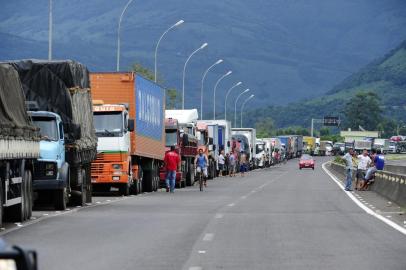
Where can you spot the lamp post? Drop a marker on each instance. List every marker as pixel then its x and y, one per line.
pixel 184 72
pixel 201 90
pixel 214 95
pixel 159 41
pixel 118 34
pixel 235 106
pixel 225 100
pixel 242 107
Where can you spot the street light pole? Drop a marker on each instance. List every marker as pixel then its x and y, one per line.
pixel 50 32
pixel 201 90
pixel 225 100
pixel 214 95
pixel 184 72
pixel 242 107
pixel 118 34
pixel 159 41
pixel 235 106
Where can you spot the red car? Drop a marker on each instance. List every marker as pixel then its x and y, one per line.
pixel 306 161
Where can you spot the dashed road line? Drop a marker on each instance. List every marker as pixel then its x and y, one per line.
pixel 195 268
pixel 202 251
pixel 219 215
pixel 231 204
pixel 208 237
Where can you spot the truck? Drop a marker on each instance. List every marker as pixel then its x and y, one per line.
pixel 287 141
pixel 60 93
pixel 185 145
pixel 382 145
pixel 360 145
pixel 397 146
pixel 186 124
pixel 224 134
pixel 309 144
pixel 214 146
pixel 138 164
pixel 19 149
pixel 260 156
pixel 113 166
pixel 250 134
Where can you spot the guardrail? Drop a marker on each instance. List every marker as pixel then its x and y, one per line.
pixel 387 184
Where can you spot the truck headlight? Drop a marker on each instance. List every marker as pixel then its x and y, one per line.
pixel 117 167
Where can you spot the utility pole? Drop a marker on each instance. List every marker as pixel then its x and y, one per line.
pixel 50 32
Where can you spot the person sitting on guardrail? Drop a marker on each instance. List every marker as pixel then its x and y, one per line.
pixel 379 164
pixel 348 168
pixel 364 161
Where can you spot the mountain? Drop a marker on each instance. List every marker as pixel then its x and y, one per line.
pixel 283 50
pixel 385 76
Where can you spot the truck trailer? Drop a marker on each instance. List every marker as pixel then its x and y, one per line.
pixel 250 134
pixel 134 166
pixel 19 148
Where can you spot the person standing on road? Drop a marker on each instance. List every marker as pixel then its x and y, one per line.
pixel 243 164
pixel 231 164
pixel 364 162
pixel 348 168
pixel 172 162
pixel 201 162
pixel 221 161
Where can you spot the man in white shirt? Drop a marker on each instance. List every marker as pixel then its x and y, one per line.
pixel 364 161
pixel 221 162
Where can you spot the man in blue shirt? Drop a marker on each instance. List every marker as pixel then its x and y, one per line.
pixel 379 164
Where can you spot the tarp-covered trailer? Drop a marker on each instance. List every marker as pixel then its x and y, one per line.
pixel 63 87
pixel 19 148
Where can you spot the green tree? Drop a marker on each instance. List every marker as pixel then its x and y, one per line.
pixel 264 127
pixel 363 110
pixel 171 98
pixel 324 131
pixel 146 73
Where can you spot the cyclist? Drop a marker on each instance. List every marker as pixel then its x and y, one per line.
pixel 201 162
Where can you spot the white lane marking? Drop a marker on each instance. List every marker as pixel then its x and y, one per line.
pixel 388 216
pixel 219 215
pixel 57 212
pixel 231 204
pixel 45 214
pixel 108 200
pixel 98 202
pixel 33 218
pixel 67 209
pixel 243 197
pixel 208 237
pixel 363 207
pixel 195 268
pixel 202 251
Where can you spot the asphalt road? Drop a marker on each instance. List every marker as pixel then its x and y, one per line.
pixel 278 218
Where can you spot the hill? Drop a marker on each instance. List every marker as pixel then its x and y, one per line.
pixel 385 76
pixel 302 48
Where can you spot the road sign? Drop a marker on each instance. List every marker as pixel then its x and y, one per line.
pixel 331 121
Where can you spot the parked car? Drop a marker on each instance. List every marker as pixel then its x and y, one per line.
pixel 306 161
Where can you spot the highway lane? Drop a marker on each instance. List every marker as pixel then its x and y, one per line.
pixel 278 218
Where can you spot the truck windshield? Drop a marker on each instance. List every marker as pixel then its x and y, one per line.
pixel 48 128
pixel 171 136
pixel 108 123
pixel 260 148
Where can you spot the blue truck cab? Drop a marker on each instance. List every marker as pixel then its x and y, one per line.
pixel 51 171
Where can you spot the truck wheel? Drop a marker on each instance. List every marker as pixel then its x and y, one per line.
pixel 60 199
pixel 148 181
pixel 30 195
pixel 124 190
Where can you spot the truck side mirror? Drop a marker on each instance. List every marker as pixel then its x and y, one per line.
pixel 185 139
pixel 131 125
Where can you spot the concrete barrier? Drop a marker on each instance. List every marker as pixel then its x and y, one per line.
pixel 387 184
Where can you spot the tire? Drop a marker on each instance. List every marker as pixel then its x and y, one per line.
pixel 30 195
pixel 148 181
pixel 124 190
pixel 80 199
pixel 60 199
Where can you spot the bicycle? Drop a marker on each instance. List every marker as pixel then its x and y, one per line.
pixel 199 174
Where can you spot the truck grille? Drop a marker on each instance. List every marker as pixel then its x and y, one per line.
pixel 110 157
pixel 97 168
pixel 45 170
